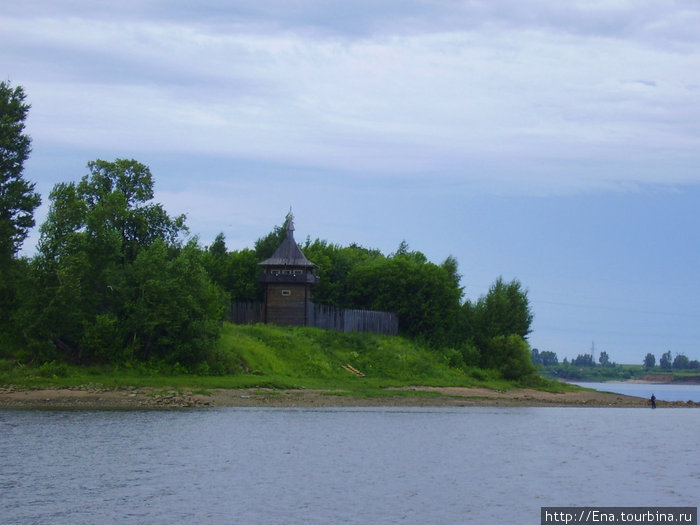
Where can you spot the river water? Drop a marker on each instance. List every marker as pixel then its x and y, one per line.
pixel 327 466
pixel 663 392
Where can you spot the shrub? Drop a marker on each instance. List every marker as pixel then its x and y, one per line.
pixel 511 356
pixel 53 369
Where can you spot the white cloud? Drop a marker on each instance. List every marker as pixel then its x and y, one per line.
pixel 536 87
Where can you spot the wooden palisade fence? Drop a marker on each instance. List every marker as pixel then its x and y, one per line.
pixel 324 316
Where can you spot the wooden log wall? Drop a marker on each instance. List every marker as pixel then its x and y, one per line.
pixel 245 313
pixel 326 317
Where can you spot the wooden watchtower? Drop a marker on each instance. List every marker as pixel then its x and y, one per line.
pixel 288 280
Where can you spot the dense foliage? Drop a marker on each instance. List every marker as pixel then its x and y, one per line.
pixel 112 281
pixel 584 368
pixel 427 297
pixel 18 200
pixel 115 281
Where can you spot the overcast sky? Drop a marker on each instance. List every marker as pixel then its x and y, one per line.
pixel 557 143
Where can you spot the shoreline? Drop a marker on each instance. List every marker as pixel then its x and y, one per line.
pixel 143 398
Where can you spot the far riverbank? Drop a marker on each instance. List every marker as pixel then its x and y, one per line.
pixel 676 391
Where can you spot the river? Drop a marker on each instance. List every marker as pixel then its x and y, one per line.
pixel 662 391
pixel 344 465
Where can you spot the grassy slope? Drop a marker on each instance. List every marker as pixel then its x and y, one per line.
pixel 310 356
pixel 282 357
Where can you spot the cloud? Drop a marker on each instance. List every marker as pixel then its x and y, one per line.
pixel 494 93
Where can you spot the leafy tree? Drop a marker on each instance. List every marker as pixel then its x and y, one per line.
pixel 583 360
pixel 235 272
pixel 545 358
pixel 335 264
pixel 681 362
pixel 649 360
pixel 504 310
pixel 422 294
pixel 215 259
pixel 666 362
pixel 175 311
pixel 242 276
pixel 112 281
pixel 549 358
pixel 604 359
pixel 218 247
pixel 403 249
pixel 18 200
pixel 451 266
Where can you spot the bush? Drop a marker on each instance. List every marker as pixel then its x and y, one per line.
pixel 511 356
pixel 53 369
pixel 470 354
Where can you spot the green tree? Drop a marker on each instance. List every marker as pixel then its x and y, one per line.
pixel 215 260
pixel 583 360
pixel 604 359
pixel 18 200
pixel 545 358
pixel 649 360
pixel 421 293
pixel 242 277
pixel 549 358
pixel 451 266
pixel 106 255
pixel 175 312
pixel 335 264
pixel 504 310
pixel 237 272
pixel 681 362
pixel 666 361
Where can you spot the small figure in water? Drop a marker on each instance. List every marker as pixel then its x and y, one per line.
pixel 653 401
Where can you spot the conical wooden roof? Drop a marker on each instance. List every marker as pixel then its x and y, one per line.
pixel 288 253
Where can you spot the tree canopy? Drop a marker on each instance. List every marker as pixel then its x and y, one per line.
pixel 112 281
pixel 18 200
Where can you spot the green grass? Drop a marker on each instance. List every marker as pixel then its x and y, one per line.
pixel 266 356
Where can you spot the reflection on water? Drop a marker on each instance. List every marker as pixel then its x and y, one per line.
pixel 436 465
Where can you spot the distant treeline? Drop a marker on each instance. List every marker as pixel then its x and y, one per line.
pixel 117 279
pixel 584 367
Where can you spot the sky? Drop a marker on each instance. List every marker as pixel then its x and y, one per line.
pixel 556 143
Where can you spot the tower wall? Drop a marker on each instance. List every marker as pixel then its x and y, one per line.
pixel 286 303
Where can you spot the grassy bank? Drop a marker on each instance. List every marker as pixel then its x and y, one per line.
pixel 285 357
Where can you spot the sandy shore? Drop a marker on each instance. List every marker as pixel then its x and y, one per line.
pixel 131 398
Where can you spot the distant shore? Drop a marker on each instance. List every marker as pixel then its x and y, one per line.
pixel 133 398
pixel 650 379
